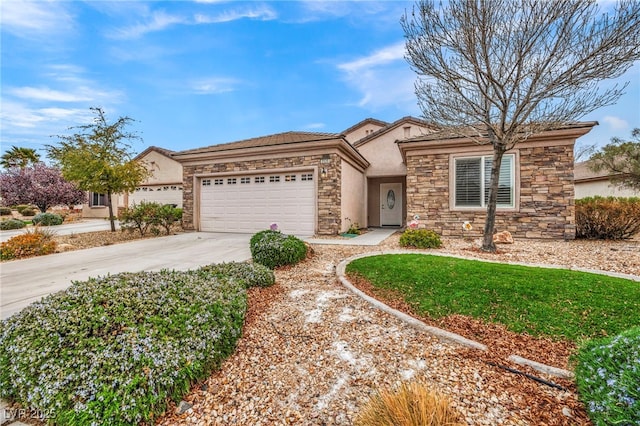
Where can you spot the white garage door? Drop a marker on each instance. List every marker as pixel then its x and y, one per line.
pixel 251 203
pixel 167 194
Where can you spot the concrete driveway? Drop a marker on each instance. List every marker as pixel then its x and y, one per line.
pixel 25 281
pixel 80 227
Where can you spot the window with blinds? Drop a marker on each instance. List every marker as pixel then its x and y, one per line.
pixel 472 178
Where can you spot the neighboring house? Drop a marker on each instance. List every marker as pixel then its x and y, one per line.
pixel 589 184
pixel 379 174
pixel 164 186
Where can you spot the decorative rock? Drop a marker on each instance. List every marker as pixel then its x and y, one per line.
pixel 566 411
pixel 183 407
pixel 65 247
pixel 503 237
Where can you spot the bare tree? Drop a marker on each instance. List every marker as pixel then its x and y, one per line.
pixel 499 71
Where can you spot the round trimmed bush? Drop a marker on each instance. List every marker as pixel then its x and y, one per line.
pixel 273 249
pixel 28 212
pixel 21 207
pixel 420 238
pixel 5 211
pixel 114 350
pixel 47 219
pixel 5 225
pixel 251 274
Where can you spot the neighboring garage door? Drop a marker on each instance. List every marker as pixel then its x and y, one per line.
pixel 252 203
pixel 166 194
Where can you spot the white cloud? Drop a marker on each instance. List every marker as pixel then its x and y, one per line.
pixel 213 85
pixel 383 78
pixel 263 13
pixel 158 21
pixel 34 19
pixel 315 126
pixel 615 123
pixel 47 94
pixel 383 56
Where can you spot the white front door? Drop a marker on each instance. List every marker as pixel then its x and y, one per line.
pixel 391 204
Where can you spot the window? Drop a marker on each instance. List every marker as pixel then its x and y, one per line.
pixel 290 178
pixel 274 178
pixel 472 176
pixel 258 179
pixel 231 181
pixel 97 200
pixel 206 182
pixel 218 182
pixel 245 180
pixel 306 176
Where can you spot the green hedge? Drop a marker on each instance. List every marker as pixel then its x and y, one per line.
pixel 273 249
pixel 420 238
pixel 250 274
pixel 112 350
pixel 150 216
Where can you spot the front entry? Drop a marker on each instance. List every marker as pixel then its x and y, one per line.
pixel 391 204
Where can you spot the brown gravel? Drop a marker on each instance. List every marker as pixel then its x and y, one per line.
pixel 313 352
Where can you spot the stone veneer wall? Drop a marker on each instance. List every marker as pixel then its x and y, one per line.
pixel 329 186
pixel 547 208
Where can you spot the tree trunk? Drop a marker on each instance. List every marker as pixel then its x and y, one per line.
pixel 494 183
pixel 112 218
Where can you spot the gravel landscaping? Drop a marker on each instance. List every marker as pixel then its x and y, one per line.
pixel 312 352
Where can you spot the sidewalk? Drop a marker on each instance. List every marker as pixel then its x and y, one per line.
pixel 372 237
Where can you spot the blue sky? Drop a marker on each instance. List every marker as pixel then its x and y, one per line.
pixel 198 73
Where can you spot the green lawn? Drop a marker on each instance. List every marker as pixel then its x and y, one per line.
pixel 557 303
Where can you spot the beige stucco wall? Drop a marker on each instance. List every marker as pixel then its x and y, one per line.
pixel 361 132
pixel 384 156
pixel 352 203
pixel 165 170
pixel 602 188
pixel 102 212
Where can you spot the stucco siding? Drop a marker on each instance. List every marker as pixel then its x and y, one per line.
pixel 353 197
pixel 602 188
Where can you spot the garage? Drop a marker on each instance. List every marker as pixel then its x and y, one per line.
pixel 251 203
pixel 163 194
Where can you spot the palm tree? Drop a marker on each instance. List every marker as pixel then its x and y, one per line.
pixel 19 157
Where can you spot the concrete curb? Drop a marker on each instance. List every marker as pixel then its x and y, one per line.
pixel 443 334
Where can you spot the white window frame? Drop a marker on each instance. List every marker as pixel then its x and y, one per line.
pixel 484 181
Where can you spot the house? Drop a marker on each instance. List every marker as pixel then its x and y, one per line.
pixel 379 174
pixel 589 183
pixel 164 186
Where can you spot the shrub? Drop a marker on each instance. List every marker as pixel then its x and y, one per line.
pixel 34 243
pixel 251 274
pixel 11 224
pixel 5 211
pixel 607 375
pixel 610 218
pixel 20 207
pixel 273 249
pixel 112 350
pixel 150 216
pixel 420 238
pixel 47 219
pixel 168 216
pixel 29 211
pixel 412 404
